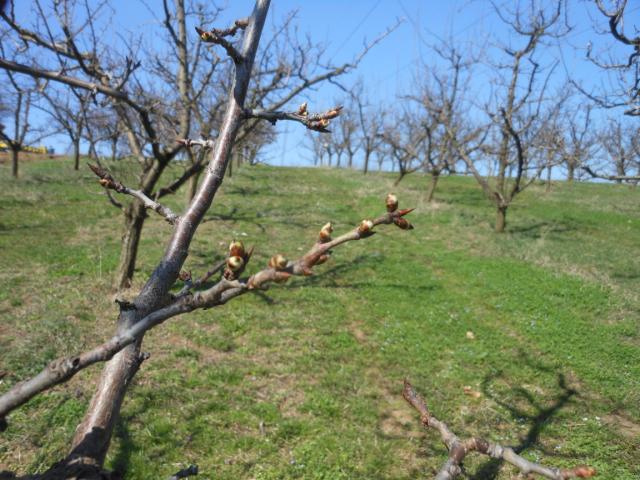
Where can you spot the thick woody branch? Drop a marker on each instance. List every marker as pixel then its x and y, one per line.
pixel 318 122
pixel 460 448
pixel 63 369
pixel 108 182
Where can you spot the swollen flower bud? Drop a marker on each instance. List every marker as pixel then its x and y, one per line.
pixel 392 202
pixel 278 262
pixel 235 263
pixel 365 226
pixel 236 249
pixel 325 232
pixel 333 113
pixel 402 223
pixel 302 109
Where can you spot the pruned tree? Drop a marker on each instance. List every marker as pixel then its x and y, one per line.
pixel 441 102
pixel 369 121
pixel 580 139
pixel 405 137
pixel 158 98
pixel 620 142
pixel 518 107
pixel 68 114
pixel 155 303
pixel 15 119
pixel 20 101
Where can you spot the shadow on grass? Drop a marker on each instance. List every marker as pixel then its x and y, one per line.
pixel 542 414
pixel 537 230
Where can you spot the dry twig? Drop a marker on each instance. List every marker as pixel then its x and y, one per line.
pixel 459 448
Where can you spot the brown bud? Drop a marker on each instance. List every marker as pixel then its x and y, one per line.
pixel 333 113
pixel 302 109
pixel 584 472
pixel 324 123
pixel 325 232
pixel 204 35
pixel 236 249
pixel 278 262
pixel 235 263
pixel 402 223
pixel 365 226
pixel 392 202
pixel 184 276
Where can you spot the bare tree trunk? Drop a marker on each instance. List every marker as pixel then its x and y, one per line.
pixel 620 170
pixel 570 172
pixel 435 176
pixel 548 179
pixel 367 155
pixel 501 219
pixel 119 371
pixel 134 220
pixel 14 162
pixel 76 154
pixel 114 148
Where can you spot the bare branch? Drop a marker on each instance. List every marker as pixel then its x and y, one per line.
pixel 317 122
pixel 459 449
pixel 62 369
pixel 217 36
pixel 108 182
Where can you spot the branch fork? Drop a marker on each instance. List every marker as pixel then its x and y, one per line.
pixel 217 36
pixel 110 183
pixel 459 449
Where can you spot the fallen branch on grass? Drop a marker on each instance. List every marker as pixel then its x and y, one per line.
pixel 459 449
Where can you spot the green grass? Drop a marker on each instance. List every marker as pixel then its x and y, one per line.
pixel 304 380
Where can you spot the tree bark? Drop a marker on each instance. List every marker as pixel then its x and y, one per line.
pixel 501 219
pixel 105 405
pixel 367 155
pixel 435 176
pixel 570 172
pixel 76 154
pixel 14 162
pixel 134 218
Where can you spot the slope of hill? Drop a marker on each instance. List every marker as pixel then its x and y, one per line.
pixel 304 380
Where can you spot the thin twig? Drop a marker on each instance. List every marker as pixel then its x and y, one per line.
pixel 318 122
pixel 108 182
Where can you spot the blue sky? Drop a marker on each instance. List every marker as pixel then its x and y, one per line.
pixel 388 70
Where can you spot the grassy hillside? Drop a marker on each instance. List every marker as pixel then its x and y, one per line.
pixel 304 380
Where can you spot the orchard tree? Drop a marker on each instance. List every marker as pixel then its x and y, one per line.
pixel 158 97
pixel 520 105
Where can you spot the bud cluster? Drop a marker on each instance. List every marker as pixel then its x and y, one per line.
pixel 325 233
pixel 237 260
pixel 398 215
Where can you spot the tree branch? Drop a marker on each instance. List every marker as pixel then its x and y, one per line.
pixel 459 449
pixel 108 182
pixel 317 122
pixel 278 271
